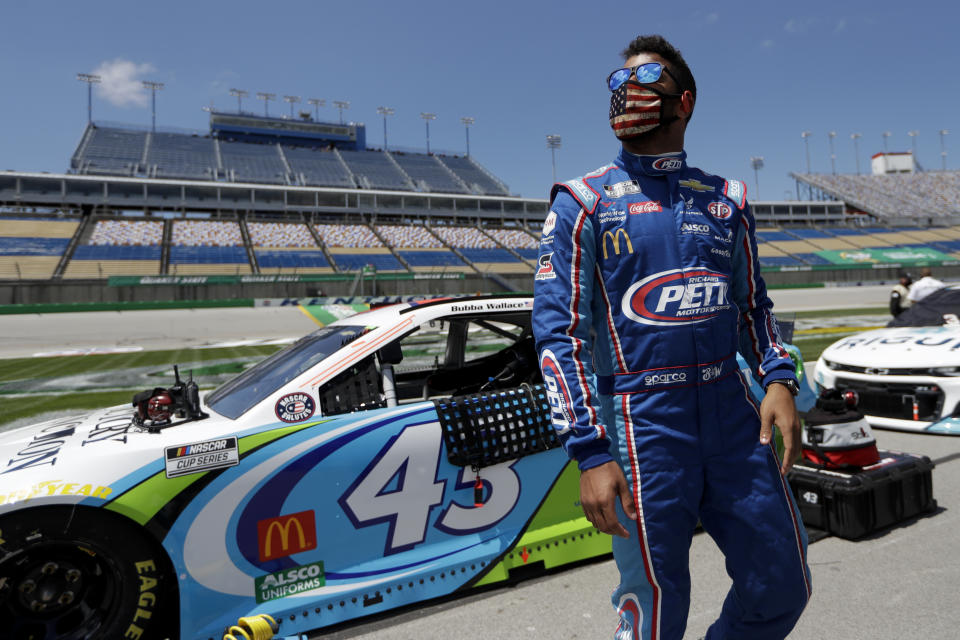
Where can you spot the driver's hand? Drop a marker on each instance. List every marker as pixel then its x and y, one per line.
pixel 600 487
pixel 778 408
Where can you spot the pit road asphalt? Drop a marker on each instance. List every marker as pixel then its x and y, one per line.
pixel 898 583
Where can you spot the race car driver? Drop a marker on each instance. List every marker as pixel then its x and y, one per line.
pixel 647 285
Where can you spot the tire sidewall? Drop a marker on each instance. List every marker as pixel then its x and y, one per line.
pixel 132 562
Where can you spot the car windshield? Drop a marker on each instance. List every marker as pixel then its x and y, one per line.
pixel 236 397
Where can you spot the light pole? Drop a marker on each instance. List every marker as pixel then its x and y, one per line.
pixel 317 103
pixel 91 79
pixel 239 94
pixel 913 146
pixel 943 148
pixel 856 148
pixel 385 111
pixel 806 143
pixel 341 105
pixel 553 143
pixel 467 121
pixel 291 100
pixel 833 156
pixel 154 87
pixel 757 163
pixel 266 97
pixel 886 160
pixel 427 117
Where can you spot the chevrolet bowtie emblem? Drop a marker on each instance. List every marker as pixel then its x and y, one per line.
pixel 696 185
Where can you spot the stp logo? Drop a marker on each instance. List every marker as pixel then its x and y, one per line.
pixel 667 164
pixel 286 535
pixel 676 297
pixel 557 394
pixel 650 206
pixel 720 210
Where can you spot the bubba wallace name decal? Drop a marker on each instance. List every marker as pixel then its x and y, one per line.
pixel 675 297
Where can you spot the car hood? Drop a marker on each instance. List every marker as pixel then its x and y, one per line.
pixel 901 347
pixel 90 456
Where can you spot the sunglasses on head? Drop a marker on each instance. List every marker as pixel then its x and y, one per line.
pixel 646 73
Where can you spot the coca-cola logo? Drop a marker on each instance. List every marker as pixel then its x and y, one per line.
pixel 650 206
pixel 720 210
pixel 677 297
pixel 667 164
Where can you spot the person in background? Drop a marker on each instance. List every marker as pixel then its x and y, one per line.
pixel 899 300
pixel 923 287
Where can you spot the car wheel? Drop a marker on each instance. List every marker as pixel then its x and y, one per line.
pixel 69 573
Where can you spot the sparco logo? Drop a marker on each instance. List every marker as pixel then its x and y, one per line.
pixel 676 297
pixel 557 394
pixel 690 227
pixel 664 378
pixel 650 206
pixel 720 210
pixel 667 164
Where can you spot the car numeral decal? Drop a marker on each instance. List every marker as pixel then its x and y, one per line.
pixel 401 486
pixel 502 490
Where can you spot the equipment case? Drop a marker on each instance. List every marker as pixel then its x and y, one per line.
pixel 854 504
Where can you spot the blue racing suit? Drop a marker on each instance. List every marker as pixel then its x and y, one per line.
pixel 647 285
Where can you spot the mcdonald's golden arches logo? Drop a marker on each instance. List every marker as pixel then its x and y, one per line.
pixel 286 535
pixel 614 237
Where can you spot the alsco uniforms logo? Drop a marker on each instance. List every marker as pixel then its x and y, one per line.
pixel 286 535
pixel 677 297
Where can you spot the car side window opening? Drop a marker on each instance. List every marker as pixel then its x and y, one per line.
pixel 358 388
pixel 239 395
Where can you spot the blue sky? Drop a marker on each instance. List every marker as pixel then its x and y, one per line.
pixel 765 72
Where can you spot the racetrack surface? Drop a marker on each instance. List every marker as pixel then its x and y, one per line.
pixel 898 583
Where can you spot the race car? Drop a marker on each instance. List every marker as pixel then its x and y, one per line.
pixel 391 457
pixel 907 376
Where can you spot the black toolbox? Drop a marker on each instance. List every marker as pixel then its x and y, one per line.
pixel 854 504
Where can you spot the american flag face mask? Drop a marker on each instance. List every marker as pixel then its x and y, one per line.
pixel 635 108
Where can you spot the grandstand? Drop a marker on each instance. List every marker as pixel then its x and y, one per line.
pixel 894 199
pixel 257 198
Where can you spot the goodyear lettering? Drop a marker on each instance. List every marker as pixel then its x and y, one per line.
pixel 44 448
pixel 284 583
pixel 664 378
pixel 720 252
pixel 55 488
pixel 147 600
pixel 614 237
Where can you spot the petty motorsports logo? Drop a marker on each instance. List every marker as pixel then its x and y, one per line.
pixel 677 297
pixel 557 394
pixel 295 407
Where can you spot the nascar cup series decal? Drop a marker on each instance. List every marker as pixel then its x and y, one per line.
pixel 675 297
pixel 201 456
pixel 295 407
pixel 557 394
